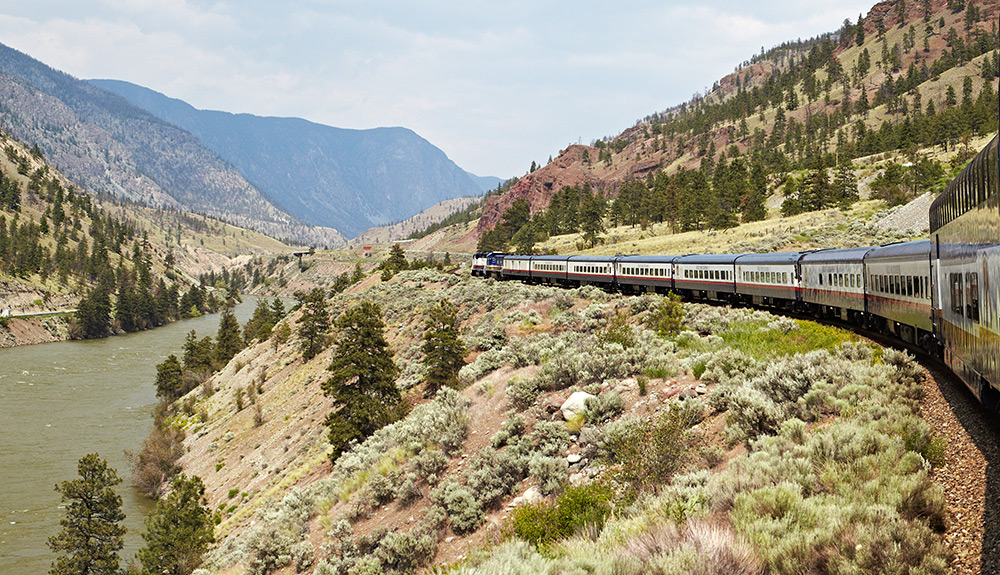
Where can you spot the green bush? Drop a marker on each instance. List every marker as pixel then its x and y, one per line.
pixel 577 507
pixel 648 452
pixel 667 318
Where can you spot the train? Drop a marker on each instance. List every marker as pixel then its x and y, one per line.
pixel 941 293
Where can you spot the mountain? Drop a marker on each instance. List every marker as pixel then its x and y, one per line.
pixel 907 82
pixel 105 144
pixel 351 180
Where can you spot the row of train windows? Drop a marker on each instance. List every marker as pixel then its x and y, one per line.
pixel 654 272
pixel 591 269
pixel 706 274
pixel 970 190
pixel 969 284
pixel 766 277
pixel 909 286
pixel 550 267
pixel 841 280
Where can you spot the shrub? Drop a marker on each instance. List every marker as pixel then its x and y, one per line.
pixel 155 466
pixel 463 508
pixel 618 330
pixel 522 393
pixel 302 555
pixel 549 438
pixel 605 407
pixel 667 318
pixel 512 428
pixel 648 452
pixel 578 507
pixel 494 474
pixel 550 472
pixel 404 552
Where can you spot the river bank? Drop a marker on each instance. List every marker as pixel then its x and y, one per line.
pixel 61 401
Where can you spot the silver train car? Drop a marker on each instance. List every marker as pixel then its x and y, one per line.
pixel 965 244
pixel 898 277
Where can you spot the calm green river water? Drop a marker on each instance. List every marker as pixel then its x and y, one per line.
pixel 61 401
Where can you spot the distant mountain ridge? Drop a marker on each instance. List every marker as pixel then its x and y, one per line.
pixel 351 180
pixel 106 144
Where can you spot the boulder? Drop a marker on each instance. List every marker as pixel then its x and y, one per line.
pixel 575 405
pixel 532 495
pixel 573 458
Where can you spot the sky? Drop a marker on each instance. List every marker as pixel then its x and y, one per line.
pixel 496 85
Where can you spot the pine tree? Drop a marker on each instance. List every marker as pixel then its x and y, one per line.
pixel 93 314
pixel 179 531
pixel 444 351
pixel 92 533
pixel 169 382
pixel 363 380
pixel 314 323
pixel 227 340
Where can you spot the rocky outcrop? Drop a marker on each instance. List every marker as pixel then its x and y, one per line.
pixel 571 168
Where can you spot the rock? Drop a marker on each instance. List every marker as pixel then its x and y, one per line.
pixel 701 389
pixel 687 394
pixel 573 438
pixel 578 478
pixel 449 539
pixel 574 458
pixel 532 495
pixel 575 405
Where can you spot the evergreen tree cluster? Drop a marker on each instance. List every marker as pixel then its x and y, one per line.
pixel 178 531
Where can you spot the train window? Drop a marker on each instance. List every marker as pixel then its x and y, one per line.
pixel 956 294
pixel 909 286
pixel 972 296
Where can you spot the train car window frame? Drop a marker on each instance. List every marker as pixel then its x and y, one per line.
pixel 972 296
pixel 957 305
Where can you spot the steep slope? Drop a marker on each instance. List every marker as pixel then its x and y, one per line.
pixel 351 180
pixel 103 143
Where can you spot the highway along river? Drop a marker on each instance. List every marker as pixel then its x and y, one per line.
pixel 61 401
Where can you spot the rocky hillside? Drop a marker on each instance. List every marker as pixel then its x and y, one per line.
pixel 907 78
pixel 351 180
pixel 105 144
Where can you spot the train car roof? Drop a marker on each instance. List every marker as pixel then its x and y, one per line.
pixel 919 248
pixel 707 259
pixel 775 258
pixel 551 258
pixel 647 259
pixel 518 257
pixel 601 259
pixel 841 255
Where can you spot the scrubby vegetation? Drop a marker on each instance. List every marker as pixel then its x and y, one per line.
pixel 827 463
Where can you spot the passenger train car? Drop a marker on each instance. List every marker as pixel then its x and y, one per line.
pixel 942 293
pixel 965 256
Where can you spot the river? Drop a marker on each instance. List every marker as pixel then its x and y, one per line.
pixel 61 401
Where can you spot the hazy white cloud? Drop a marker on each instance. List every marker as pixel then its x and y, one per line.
pixel 495 85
